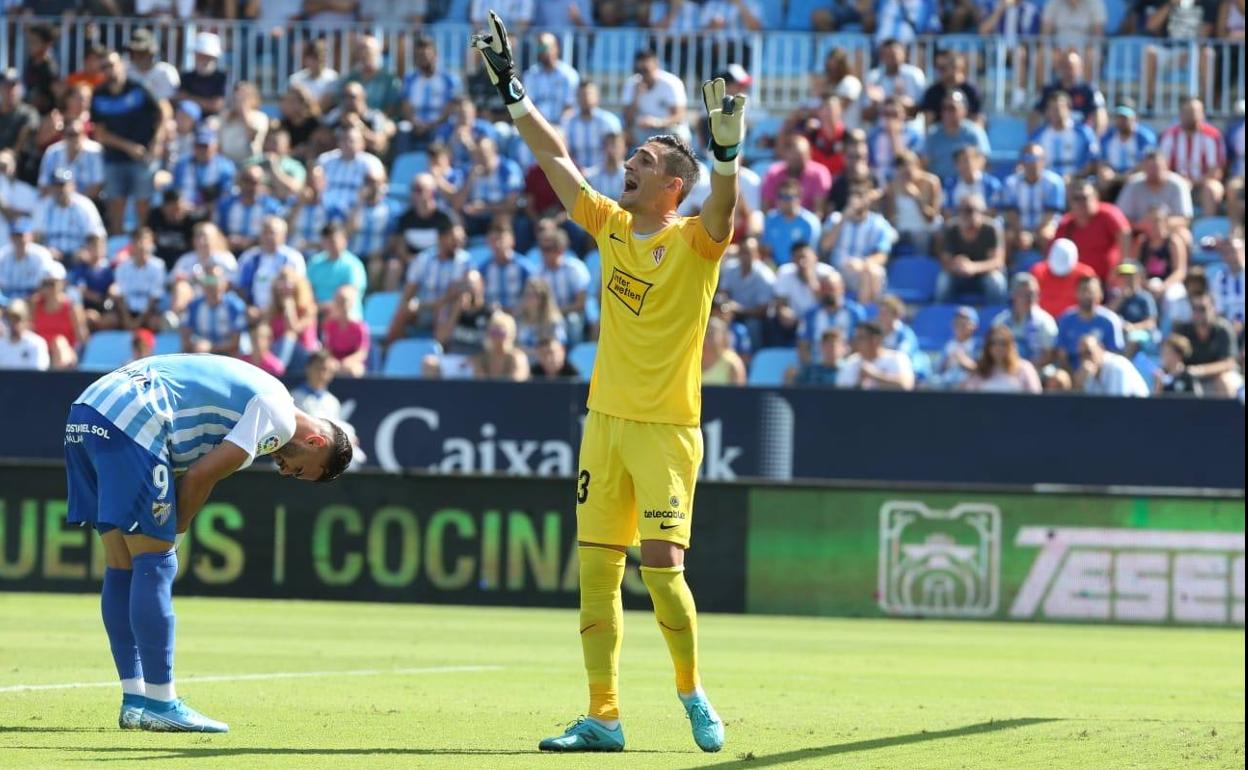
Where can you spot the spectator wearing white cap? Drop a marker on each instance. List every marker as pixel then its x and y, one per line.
pixel 57 316
pixel 204 84
pixel 83 156
pixel 139 285
pixel 22 261
pixel 1058 277
pixel 20 347
pixel 1104 373
pixel 65 216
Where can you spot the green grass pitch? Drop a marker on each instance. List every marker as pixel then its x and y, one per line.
pixel 382 689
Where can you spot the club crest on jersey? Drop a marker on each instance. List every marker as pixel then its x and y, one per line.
pixel 658 253
pixel 160 512
pixel 268 445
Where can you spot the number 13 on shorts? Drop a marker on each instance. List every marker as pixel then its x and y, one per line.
pixel 636 481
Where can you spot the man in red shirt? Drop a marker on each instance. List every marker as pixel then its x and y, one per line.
pixel 1059 277
pixel 1100 230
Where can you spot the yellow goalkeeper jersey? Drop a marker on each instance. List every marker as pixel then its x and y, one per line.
pixel 656 297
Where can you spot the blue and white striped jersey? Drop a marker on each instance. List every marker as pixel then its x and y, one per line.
pixel 1069 149
pixel 88 165
pixel 429 94
pixel 203 182
pixel 1034 202
pixel 504 282
pixel 553 91
pixel 180 407
pixel 344 178
pixel 1123 153
pixel 584 135
pixel 371 225
pixel 65 228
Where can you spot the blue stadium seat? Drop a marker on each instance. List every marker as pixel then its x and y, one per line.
pixel 404 170
pixel 769 365
pixel 167 342
pixel 105 351
pixel 116 243
pixel 582 357
pixel 379 308
pixel 1006 135
pixel 480 254
pixel 757 156
pixel 404 357
pixel 1115 13
pixel 1207 227
pixel 1024 261
pixel 986 314
pixel 913 279
pixel 934 325
pixel 797 16
pixel 785 53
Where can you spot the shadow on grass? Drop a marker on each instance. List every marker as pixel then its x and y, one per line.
pixel 31 729
pixel 206 752
pixel 801 755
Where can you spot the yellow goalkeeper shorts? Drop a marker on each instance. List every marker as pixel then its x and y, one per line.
pixel 636 481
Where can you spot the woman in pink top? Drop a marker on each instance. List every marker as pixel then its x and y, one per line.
pixel 345 335
pixel 261 354
pixel 1000 368
pixel 292 314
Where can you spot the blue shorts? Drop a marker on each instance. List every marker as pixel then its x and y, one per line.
pixel 129 179
pixel 113 482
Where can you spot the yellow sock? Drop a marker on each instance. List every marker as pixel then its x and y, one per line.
pixel 602 627
pixel 678 619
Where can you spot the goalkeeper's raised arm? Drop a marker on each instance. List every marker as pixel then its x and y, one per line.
pixel 545 143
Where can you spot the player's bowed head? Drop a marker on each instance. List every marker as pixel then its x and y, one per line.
pixel 320 450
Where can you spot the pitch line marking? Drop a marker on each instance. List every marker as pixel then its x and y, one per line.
pixel 271 675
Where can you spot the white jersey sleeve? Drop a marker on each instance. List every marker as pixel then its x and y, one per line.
pixel 267 424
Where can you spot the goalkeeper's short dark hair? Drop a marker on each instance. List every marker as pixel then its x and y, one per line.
pixel 340 452
pixel 679 161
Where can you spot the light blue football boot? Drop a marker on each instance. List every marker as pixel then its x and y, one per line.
pixel 176 717
pixel 131 711
pixel 708 728
pixel 586 735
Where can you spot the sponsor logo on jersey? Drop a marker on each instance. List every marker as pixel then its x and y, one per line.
pixel 658 253
pixel 160 512
pixel 628 289
pixel 74 432
pixel 656 514
pixel 269 444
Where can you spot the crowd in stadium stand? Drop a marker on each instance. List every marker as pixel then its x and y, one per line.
pixel 874 238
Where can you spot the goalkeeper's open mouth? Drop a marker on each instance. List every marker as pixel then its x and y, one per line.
pixel 630 183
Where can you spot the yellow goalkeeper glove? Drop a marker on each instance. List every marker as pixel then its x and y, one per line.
pixel 725 117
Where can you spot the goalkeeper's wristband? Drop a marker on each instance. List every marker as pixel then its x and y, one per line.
pixel 723 153
pixel 521 108
pixel 511 89
pixel 727 167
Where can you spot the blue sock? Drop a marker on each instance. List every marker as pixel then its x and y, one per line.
pixel 151 615
pixel 115 608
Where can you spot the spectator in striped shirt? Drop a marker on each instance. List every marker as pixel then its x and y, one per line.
pixel 347 167
pixel 833 311
pixel 429 277
pixel 491 189
pixel 91 279
pixel 568 277
pixel 971 180
pixel 22 262
pixel 1226 283
pixel 139 286
pixel 240 215
pixel 904 20
pixel 1072 147
pixel 584 130
pixel 504 275
pixel 261 264
pixel 215 322
pixel 857 242
pixel 335 267
pixel 1124 146
pixel 551 83
pixel 428 94
pixel 1032 200
pixel 309 215
pixel 1087 103
pixel 370 224
pixel 892 135
pixel 79 154
pixel 608 177
pixel 65 216
pixel 461 134
pixel 1195 149
pixel 206 176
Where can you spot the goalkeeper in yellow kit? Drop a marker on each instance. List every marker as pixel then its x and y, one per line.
pixel 642 444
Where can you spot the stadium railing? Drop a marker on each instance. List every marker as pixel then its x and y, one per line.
pixel 781 61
